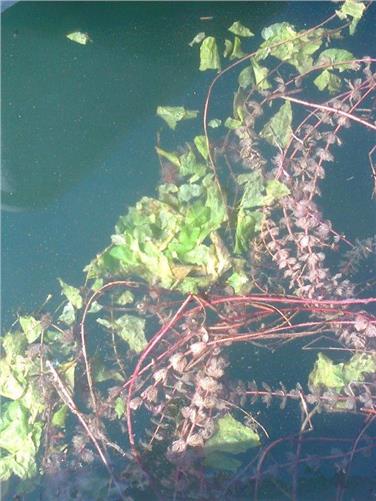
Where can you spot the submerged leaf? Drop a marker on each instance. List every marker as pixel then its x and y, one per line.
pixel 327 80
pixel 278 130
pixel 231 437
pixel 130 328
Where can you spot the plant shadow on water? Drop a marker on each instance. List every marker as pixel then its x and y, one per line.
pixel 222 344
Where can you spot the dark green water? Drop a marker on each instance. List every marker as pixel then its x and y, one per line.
pixel 79 128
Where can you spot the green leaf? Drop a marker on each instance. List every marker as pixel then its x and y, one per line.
pixel 174 114
pixel 59 417
pixel 254 75
pixel 237 52
pixel 202 146
pixel 169 155
pixel 189 165
pixel 228 48
pixel 232 123
pixel 327 80
pixel 231 437
pixel 328 375
pixel 240 283
pixel 189 191
pixel 336 56
pixel 12 384
pixel 353 9
pixel 126 297
pixel 277 131
pixel 214 123
pixel 275 190
pixel 68 315
pixel 79 37
pixel 13 343
pixel 119 407
pixel 283 42
pixel 130 328
pixel 31 327
pixel 248 225
pixel 72 294
pixel 21 439
pixel 209 55
pixel 197 39
pixel 239 29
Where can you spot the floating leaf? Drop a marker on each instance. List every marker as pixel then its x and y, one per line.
pixel 32 328
pixel 209 55
pixel 126 297
pixel 232 123
pixel 170 156
pixel 353 9
pixel 336 56
pixel 79 37
pixel 214 123
pixel 174 114
pixel 283 42
pixel 248 225
pixel 239 29
pixel 237 52
pixel 202 146
pixel 231 437
pixel 228 48
pixel 71 293
pixel 20 439
pixel 197 39
pixel 277 130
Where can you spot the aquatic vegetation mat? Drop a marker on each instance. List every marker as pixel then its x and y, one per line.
pixel 153 376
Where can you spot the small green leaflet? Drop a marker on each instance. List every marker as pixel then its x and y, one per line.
pixel 79 37
pixel 174 114
pixel 239 29
pixel 209 55
pixel 278 130
pixel 119 407
pixel 202 146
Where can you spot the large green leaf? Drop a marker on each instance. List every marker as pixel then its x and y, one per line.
pixel 354 9
pixel 31 327
pixel 71 293
pixel 336 56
